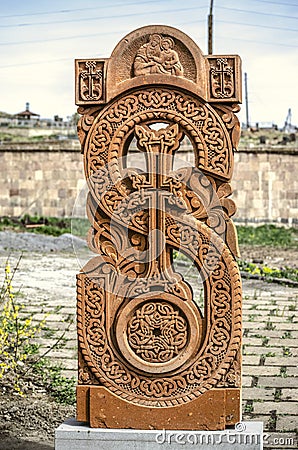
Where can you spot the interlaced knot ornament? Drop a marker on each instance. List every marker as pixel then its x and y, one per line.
pixel 157 332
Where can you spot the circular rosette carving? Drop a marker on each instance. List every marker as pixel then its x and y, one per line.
pixel 153 332
pixel 157 332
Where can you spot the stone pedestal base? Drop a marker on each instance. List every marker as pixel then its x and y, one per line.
pixel 78 436
pixel 215 409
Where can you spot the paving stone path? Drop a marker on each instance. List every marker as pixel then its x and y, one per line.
pixel 270 346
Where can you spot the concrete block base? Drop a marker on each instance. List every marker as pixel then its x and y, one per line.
pixel 79 436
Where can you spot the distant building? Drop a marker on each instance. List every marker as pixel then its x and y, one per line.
pixel 30 124
pixel 27 118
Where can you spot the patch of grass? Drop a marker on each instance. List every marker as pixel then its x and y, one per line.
pixel 271 426
pixel 36 224
pixel 277 395
pixel 253 307
pixel 61 388
pixel 251 317
pixel 52 226
pixel 18 335
pixel 80 227
pixel 268 235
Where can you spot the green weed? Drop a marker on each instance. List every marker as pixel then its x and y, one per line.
pixel 269 326
pixel 287 335
pixel 286 351
pixel 17 334
pixel 267 272
pixel 268 235
pixel 291 318
pixel 248 407
pixel 61 388
pixel 20 362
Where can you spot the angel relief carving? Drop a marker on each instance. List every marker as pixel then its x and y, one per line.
pixel 158 56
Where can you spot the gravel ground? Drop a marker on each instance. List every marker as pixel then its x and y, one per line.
pixel 29 423
pixel 31 242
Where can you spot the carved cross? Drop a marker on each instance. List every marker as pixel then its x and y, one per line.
pixel 90 90
pixel 221 79
pixel 159 146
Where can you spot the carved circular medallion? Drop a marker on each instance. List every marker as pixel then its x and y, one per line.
pixel 154 334
pixel 157 332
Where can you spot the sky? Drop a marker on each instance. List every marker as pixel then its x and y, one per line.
pixel 40 39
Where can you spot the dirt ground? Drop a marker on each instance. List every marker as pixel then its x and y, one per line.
pixel 271 256
pixel 29 422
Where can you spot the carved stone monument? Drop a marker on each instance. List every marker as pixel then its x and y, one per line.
pixel 150 357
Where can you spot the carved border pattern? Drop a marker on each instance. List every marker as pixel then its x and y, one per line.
pixel 216 355
pixel 197 119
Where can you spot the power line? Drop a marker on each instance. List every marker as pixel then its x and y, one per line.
pixel 258 26
pixel 257 12
pixel 64 38
pixel 277 4
pixel 67 11
pixel 122 32
pixel 102 17
pixel 36 62
pixel 64 11
pixel 83 36
pixel 261 42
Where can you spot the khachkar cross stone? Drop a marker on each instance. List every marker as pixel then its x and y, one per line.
pixel 149 356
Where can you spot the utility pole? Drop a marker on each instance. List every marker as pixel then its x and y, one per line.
pixel 288 122
pixel 246 100
pixel 210 29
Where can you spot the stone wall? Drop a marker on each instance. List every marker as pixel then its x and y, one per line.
pixel 45 178
pixel 40 179
pixel 266 186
